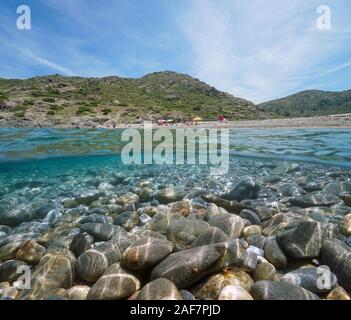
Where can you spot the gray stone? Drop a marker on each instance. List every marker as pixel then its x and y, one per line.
pixel 247 188
pixel 100 231
pixel 315 199
pixel 231 224
pixel 183 232
pixel 55 270
pixel 337 255
pixel 81 243
pixel 96 218
pixel 159 289
pixel 116 283
pixel 273 290
pixel 170 194
pixel 146 253
pixel 127 220
pixel 274 253
pixel 250 216
pixel 186 267
pixel 209 236
pixel 8 270
pixel 301 239
pixel 317 280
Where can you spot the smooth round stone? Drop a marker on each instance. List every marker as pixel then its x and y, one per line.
pixel 211 288
pixel 186 267
pixel 274 253
pixel 53 216
pixel 55 271
pixel 81 243
pixel 91 265
pixel 231 224
pixel 264 271
pixel 338 293
pixel 128 200
pixel 77 293
pixel 274 290
pixel 183 232
pixel 96 218
pixel 8 270
pixel 301 239
pixel 250 216
pixel 170 194
pixel 247 188
pixel 210 235
pixel 105 186
pixel 315 199
pixel 257 251
pixel 234 293
pixel 159 289
pixel 187 295
pixel 87 196
pixel 17 215
pixel 146 253
pixel 116 283
pixel 9 293
pixel 317 280
pixel 5 229
pixel 150 211
pixel 345 225
pixel 251 230
pixel 337 255
pixel 256 240
pixel 127 220
pixel 9 251
pixel 3 239
pixel 100 231
pixel 31 252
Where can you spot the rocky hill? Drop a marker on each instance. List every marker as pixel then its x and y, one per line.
pixel 310 103
pixel 61 101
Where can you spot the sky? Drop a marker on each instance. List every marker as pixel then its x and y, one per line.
pixel 257 50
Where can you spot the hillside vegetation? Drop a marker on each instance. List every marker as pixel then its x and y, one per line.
pixel 56 99
pixel 309 103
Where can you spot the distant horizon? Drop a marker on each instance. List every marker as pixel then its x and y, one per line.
pixel 255 50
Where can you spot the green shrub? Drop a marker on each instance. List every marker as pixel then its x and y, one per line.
pixel 49 100
pixel 106 111
pixel 20 114
pixel 50 113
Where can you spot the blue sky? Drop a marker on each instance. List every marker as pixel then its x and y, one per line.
pixel 258 50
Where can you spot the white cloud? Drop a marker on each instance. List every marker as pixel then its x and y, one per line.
pixel 256 49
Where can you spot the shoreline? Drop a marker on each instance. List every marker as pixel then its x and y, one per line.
pixel 318 122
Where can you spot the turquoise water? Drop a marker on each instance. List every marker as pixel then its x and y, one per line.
pixel 329 146
pixel 37 157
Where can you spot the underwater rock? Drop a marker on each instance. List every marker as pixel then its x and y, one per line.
pixel 159 289
pixel 209 236
pixel 81 243
pixel 183 232
pixel 100 231
pixel 127 220
pixel 317 280
pixel 301 239
pixel 231 224
pixel 8 270
pixel 170 194
pixel 274 253
pixel 186 267
pixel 212 287
pixel 96 218
pixel 31 252
pixel 77 293
pixel 337 255
pixel 234 293
pixel 315 199
pixel 55 270
pixel 274 290
pixel 345 225
pixel 146 253
pixel 264 271
pixel 247 188
pixel 116 283
pixel 231 206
